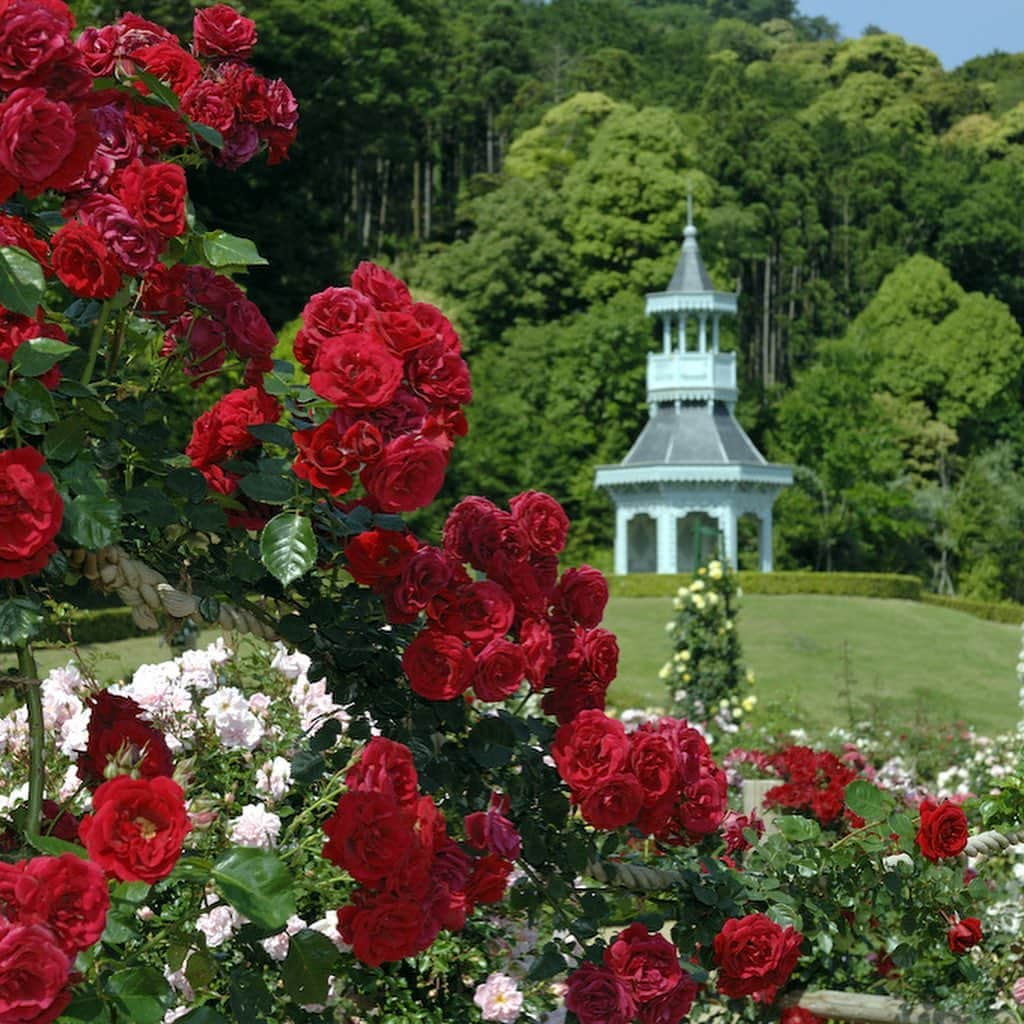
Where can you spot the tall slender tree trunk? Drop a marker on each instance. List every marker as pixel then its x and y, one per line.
pixel 416 171
pixel 766 318
pixel 491 165
pixel 383 174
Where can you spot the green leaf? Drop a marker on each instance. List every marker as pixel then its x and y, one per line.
pixel 86 1007
pixel 797 829
pixel 93 521
pixel 288 546
pixel 142 992
pixel 312 958
pixel 64 440
pixel 274 490
pixel 30 404
pixel 249 999
pixel 20 620
pixel 34 357
pixel 209 135
pixel 224 250
pixel 547 965
pixel 256 884
pixel 54 847
pixel 203 1015
pixel 272 433
pixel 21 281
pixel 865 799
pixel 158 90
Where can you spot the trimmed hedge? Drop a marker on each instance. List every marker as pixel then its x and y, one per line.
pixel 99 626
pixel 840 584
pixel 993 611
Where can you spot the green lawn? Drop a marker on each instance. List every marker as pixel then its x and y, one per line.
pixel 903 660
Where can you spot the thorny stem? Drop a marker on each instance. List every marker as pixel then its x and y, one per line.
pixel 36 738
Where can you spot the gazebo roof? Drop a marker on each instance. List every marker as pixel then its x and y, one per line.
pixel 687 435
pixel 690 275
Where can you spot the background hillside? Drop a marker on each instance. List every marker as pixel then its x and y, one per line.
pixel 526 165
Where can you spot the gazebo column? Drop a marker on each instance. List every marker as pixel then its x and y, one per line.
pixel 765 546
pixel 667 540
pixel 666 333
pixel 715 337
pixel 622 518
pixel 702 334
pixel 730 540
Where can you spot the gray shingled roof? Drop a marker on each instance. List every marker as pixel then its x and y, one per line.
pixel 690 274
pixel 688 435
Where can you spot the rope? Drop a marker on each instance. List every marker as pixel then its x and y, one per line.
pixel 985 844
pixel 633 876
pixel 148 594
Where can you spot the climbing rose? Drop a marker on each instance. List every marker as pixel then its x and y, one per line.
pixel 963 934
pixel 34 974
pixel 755 956
pixel 943 830
pixel 31 511
pixel 597 996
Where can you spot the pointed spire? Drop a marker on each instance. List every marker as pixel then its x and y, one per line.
pixel 690 275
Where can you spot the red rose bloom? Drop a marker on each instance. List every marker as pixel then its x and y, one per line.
pixel 589 749
pixel 798 1015
pixel 377 557
pixel 34 37
pixel 424 575
pixel 407 476
pixel 439 665
pixel 223 431
pixel 672 1007
pixel 137 828
pixel 598 996
pixel 755 956
pixel 84 263
pixel 383 927
pixel 249 334
pixel 612 802
pixel 478 612
pixel 500 668
pixel 170 63
pixel 371 837
pixel 647 963
pixel 31 512
pixel 601 650
pixel 653 761
pixel 66 894
pixel 583 594
pixel 943 830
pixel 355 370
pixel 543 519
pixel 34 974
pixel 220 31
pixel 135 248
pixel 323 460
pixel 155 195
pixel 489 880
pixel 963 934
pixel 490 830
pixel 118 736
pixel 381 287
pixel 385 767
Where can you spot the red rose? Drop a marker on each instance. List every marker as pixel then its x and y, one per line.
pixel 401 331
pixel 376 557
pixel 733 827
pixel 371 837
pixel 66 894
pixel 500 668
pixel 648 963
pixel 135 248
pixel 322 459
pixel 84 263
pixel 249 334
pixel 158 129
pixel 118 737
pixel 462 524
pixel 706 803
pixel 798 1015
pixel 589 749
pixel 34 37
pixel 612 802
pixel 332 312
pixel 385 767
pixel 137 828
pixel 490 830
pixel 943 830
pixel 220 31
pixel 355 370
pixel 601 650
pixel 424 575
pixel 489 880
pixel 31 512
pixel 381 287
pixel 381 927
pixel 439 375
pixel 538 648
pixel 223 431
pixel 438 665
pixel 963 934
pixel 43 143
pixel 210 102
pixel 407 476
pixel 755 956
pixel 597 996
pixel 479 611
pixel 170 63
pixel 672 1007
pixel 543 519
pixel 652 760
pixel 155 195
pixel 34 974
pixel 163 292
pixel 583 594
pixel 17 233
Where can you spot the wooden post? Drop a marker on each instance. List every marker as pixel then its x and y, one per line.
pixel 862 1009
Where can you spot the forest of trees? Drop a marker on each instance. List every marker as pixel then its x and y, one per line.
pixel 526 166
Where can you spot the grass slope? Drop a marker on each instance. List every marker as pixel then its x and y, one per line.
pixel 826 660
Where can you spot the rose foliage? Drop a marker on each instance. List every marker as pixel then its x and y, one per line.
pixel 418 784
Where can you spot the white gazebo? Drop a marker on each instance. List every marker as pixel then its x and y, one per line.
pixel 692 472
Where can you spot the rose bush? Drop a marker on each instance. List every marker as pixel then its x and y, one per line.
pixel 423 788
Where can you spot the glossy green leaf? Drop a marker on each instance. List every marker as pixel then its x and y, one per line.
pixel 159 90
pixel 224 250
pixel 30 404
pixel 141 992
pixel 21 281
pixel 54 847
pixel 20 620
pixel 36 356
pixel 312 958
pixel 86 1007
pixel 288 546
pixel 865 799
pixel 209 135
pixel 93 521
pixel 274 490
pixel 256 884
pixel 797 829
pixel 64 440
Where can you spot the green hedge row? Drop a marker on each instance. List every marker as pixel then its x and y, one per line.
pixel 844 584
pixel 99 626
pixel 994 611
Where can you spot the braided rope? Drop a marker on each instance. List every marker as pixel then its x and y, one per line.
pixel 148 594
pixel 985 844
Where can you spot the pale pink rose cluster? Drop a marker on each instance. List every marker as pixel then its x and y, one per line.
pixel 311 699
pixel 499 998
pixel 273 778
pixel 231 714
pixel 256 826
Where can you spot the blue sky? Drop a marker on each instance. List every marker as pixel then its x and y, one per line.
pixel 955 30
